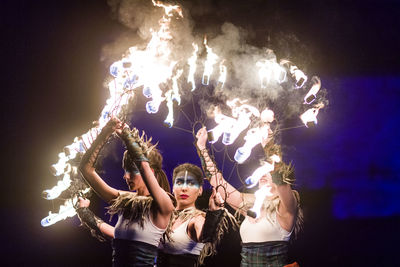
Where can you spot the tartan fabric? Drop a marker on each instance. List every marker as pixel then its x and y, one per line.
pixel 266 254
pixel 133 253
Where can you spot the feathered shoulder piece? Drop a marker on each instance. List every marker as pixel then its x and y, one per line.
pixel 182 215
pixel 132 206
pixel 187 214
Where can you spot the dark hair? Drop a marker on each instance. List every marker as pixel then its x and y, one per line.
pixel 155 161
pixel 193 169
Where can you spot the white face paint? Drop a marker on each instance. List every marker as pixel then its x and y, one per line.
pixel 186 181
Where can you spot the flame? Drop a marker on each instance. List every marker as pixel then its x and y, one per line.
pixel 192 66
pixel 265 190
pixel 222 75
pixel 243 113
pixel 252 138
pixel 267 116
pixel 175 88
pixel 61 185
pixel 309 117
pixel 268 70
pixel 208 65
pixel 135 70
pixel 260 195
pixel 265 168
pixel 312 94
pixel 252 180
pixel 149 69
pixel 300 77
pixel 170 96
pixel 65 211
pixel 169 120
pixel 59 167
pixel 223 122
pixel 169 8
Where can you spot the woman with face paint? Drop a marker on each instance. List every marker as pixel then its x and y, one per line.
pixel 143 216
pixel 194 233
pixel 264 237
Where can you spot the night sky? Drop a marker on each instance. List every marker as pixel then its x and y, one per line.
pixel 56 57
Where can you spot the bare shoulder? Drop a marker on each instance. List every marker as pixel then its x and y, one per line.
pixel 195 226
pixel 197 220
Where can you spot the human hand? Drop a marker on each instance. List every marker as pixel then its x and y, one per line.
pixel 83 202
pixel 120 127
pixel 112 124
pixel 215 202
pixel 201 137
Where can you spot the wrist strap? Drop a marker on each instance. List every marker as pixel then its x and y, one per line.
pixel 207 163
pixel 136 145
pixel 91 155
pixel 284 174
pixel 92 222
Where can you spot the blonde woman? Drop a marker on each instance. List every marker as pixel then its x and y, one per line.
pixel 264 239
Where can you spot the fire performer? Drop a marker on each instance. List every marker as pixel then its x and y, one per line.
pixel 192 234
pixel 265 239
pixel 143 216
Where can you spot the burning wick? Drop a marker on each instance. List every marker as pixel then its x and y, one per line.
pixel 312 94
pixel 192 66
pixel 309 117
pixel 260 195
pixel 208 65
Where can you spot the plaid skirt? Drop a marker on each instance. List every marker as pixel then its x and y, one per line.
pixel 266 254
pixel 133 253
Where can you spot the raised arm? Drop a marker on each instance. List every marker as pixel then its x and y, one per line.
pixel 137 149
pixel 283 177
pixel 87 165
pixel 216 224
pixel 214 176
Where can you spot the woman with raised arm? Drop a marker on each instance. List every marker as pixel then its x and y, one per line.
pixel 143 216
pixel 265 239
pixel 192 233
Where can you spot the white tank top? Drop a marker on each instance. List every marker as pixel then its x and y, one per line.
pixel 131 230
pixel 181 243
pixel 263 230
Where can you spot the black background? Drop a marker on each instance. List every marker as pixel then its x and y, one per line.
pixel 52 86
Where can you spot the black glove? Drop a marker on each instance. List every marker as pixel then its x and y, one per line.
pixel 284 174
pixel 213 219
pixel 89 220
pixel 134 144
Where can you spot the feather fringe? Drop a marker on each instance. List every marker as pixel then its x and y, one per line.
pixel 210 248
pixel 143 141
pixel 183 215
pixel 132 207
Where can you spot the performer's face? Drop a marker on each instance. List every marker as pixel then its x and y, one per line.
pixel 186 189
pixel 133 180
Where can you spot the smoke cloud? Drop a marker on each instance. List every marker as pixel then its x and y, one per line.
pixel 228 41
